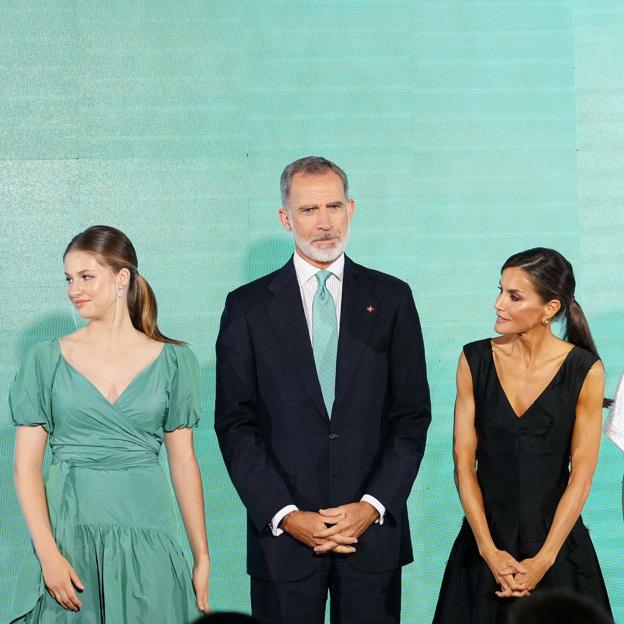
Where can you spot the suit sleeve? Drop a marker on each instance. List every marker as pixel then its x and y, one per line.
pixel 237 423
pixel 409 411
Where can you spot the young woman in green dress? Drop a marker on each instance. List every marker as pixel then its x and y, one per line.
pixel 102 523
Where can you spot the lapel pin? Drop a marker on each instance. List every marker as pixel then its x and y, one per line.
pixel 370 308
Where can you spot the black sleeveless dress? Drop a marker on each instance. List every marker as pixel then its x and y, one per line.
pixel 523 470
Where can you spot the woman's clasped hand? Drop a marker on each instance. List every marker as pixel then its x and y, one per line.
pixel 516 578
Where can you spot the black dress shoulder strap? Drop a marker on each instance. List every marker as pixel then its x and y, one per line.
pixel 477 349
pixel 581 361
pixel 479 357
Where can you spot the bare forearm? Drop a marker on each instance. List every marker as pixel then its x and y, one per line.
pixel 472 501
pixel 32 498
pixel 585 447
pixel 187 484
pixel 568 511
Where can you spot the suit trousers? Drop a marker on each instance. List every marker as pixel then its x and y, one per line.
pixel 355 597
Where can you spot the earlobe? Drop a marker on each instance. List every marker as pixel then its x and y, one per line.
pixel 124 274
pixel 552 309
pixel 283 217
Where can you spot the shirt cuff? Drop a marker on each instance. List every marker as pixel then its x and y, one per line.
pixel 367 498
pixel 278 517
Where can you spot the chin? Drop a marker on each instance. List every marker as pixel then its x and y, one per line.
pixel 503 331
pixel 83 314
pixel 327 253
pixel 329 257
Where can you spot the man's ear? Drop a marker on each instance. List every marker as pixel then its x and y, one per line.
pixel 283 217
pixel 351 208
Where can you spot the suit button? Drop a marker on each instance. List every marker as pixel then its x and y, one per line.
pixel 333 436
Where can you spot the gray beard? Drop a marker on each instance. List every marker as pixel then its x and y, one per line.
pixel 323 255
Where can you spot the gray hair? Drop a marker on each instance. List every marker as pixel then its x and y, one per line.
pixel 309 165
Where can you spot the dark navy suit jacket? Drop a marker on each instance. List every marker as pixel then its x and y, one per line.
pixel 278 443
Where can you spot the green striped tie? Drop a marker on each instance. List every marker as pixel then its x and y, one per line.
pixel 325 339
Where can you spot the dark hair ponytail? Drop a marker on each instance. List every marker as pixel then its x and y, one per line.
pixel 577 328
pixel 553 278
pixel 112 248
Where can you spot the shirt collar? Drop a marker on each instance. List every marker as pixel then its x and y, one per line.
pixel 306 271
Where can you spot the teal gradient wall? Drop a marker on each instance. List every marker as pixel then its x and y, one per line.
pixel 470 130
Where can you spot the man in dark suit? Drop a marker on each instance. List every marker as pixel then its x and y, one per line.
pixel 322 409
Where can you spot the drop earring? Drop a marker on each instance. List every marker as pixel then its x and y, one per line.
pixel 120 292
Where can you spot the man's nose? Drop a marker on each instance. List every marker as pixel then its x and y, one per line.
pixel 324 220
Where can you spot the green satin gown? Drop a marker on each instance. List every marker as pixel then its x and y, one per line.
pixel 109 500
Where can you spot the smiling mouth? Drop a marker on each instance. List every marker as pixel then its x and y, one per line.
pixel 501 318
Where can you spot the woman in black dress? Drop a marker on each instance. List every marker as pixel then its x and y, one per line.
pixel 526 440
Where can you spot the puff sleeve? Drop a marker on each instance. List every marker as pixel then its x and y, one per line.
pixel 184 402
pixel 614 427
pixel 30 401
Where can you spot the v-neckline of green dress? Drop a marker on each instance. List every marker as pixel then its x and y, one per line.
pixel 132 382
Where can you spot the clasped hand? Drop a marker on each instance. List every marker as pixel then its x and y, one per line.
pixel 516 578
pixel 336 529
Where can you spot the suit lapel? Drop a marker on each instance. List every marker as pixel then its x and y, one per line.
pixel 358 313
pixel 286 314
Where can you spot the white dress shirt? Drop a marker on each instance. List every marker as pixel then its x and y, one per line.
pixel 306 276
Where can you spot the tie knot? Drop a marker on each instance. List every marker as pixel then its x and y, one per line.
pixel 322 277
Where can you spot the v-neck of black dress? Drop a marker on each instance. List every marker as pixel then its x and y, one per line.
pixel 545 390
